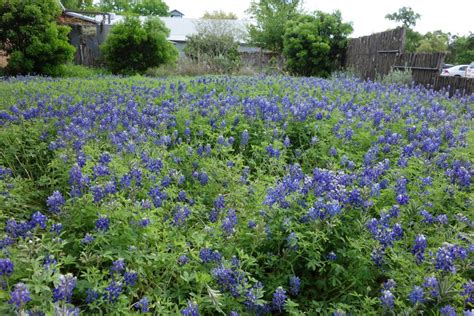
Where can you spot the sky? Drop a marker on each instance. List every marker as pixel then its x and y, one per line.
pixel 367 16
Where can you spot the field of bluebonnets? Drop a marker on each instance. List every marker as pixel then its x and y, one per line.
pixel 234 196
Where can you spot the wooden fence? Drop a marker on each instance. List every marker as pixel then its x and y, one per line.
pixel 373 57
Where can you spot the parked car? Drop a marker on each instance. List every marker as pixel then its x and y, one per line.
pixel 447 66
pixel 470 71
pixel 456 71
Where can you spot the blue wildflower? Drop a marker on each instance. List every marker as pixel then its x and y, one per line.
pixel 279 299
pixel 190 310
pixel 295 284
pixel 142 305
pixel 130 278
pixel 419 248
pixel 55 202
pixel 19 296
pixel 114 289
pixel 63 292
pixel 118 266
pixel 102 224
pixel 6 267
pixel 417 295
pixel 38 219
pixel 387 299
pixel 448 310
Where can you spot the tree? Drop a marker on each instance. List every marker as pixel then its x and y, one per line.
pixel 271 17
pixel 431 42
pixel 133 48
pixel 314 45
pixel 408 19
pixel 142 7
pixel 461 49
pixel 31 38
pixel 215 46
pixel 219 15
pixel 77 4
pixel 405 15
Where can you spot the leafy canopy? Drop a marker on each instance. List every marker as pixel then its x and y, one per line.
pixel 431 42
pixel 314 44
pixel 31 38
pixel 405 15
pixel 144 7
pixel 271 17
pixel 461 49
pixel 219 15
pixel 133 48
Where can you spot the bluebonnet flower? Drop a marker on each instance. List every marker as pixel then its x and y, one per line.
pixel 6 267
pixel 468 292
pixel 48 261
pixel 63 292
pixel 446 255
pixel 56 228
pixel 64 310
pixel 272 152
pixel 292 241
pixel 142 305
pixel 442 219
pixel 419 248
pixel 114 289
pixel 417 295
pixel 88 238
pixel 118 266
pixel 233 313
pixel 448 310
pixel 130 278
pixel 332 151
pixel 182 260
pixel 15 229
pixel 432 284
pixel 225 278
pixel 203 178
pixel 38 219
pixel 229 222
pixel 19 296
pixel 191 310
pixel 387 299
pixel 219 202
pixel 91 296
pixel 208 255
pixel 252 224
pixel 332 256
pixel 389 284
pixel 102 224
pixel 180 216
pixel 279 299
pixel 244 138
pixel 295 284
pixel 286 142
pixel 402 199
pixel 55 202
pixel 427 217
pixel 157 196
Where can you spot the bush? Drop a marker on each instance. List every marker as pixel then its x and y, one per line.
pixel 314 44
pixel 133 48
pixel 213 48
pixel 400 77
pixel 31 37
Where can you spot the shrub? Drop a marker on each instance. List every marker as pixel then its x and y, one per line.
pixel 215 47
pixel 78 71
pixel 314 44
pixel 133 47
pixel 400 77
pixel 31 37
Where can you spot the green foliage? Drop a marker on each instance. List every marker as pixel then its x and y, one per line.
pixel 271 17
pixel 78 71
pixel 314 44
pixel 219 15
pixel 133 48
pixel 77 4
pixel 399 77
pixel 431 42
pixel 33 41
pixel 461 49
pixel 412 40
pixel 214 47
pixel 143 7
pixel 404 15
